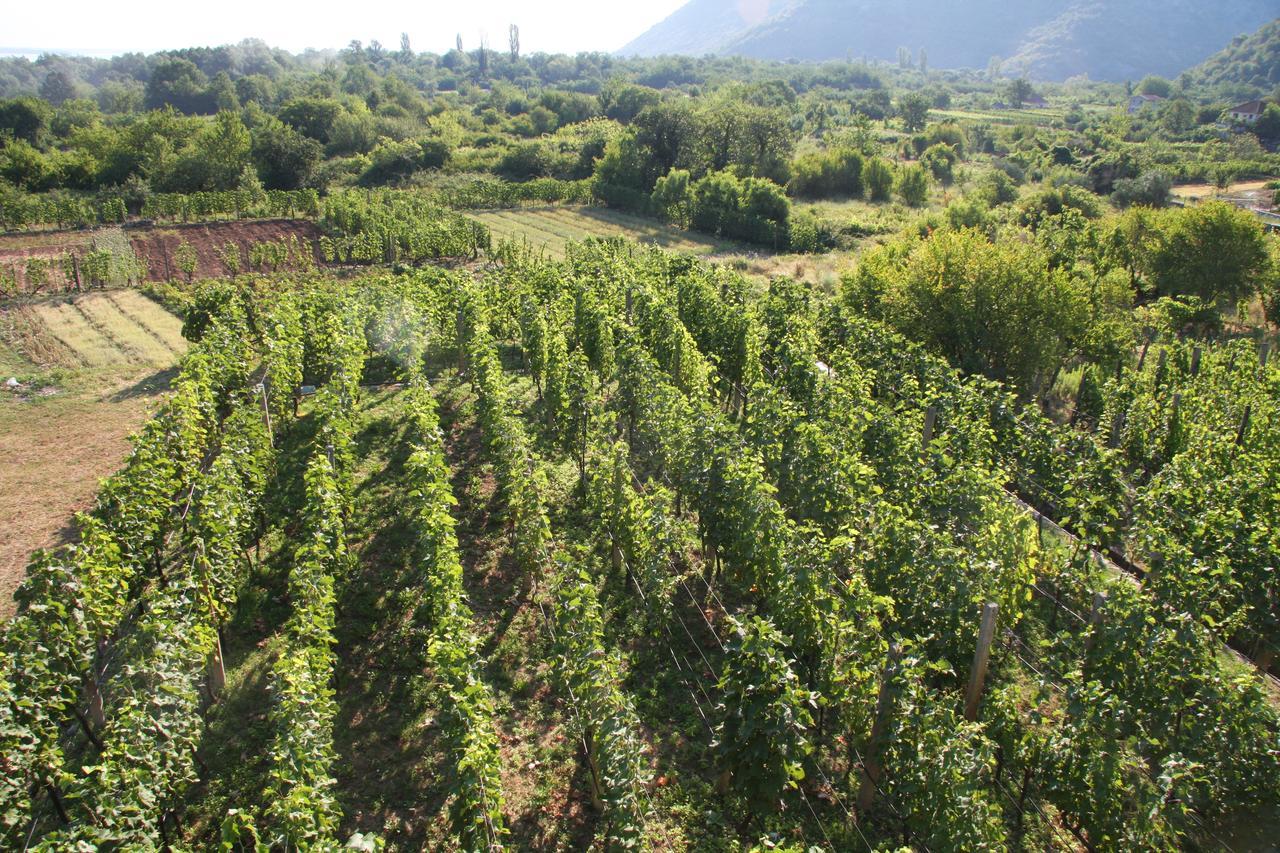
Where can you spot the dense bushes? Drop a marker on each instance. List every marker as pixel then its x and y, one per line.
pixel 833 173
pixel 998 309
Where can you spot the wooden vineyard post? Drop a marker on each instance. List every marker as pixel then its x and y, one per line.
pixel 96 715
pixel 1264 350
pixel 593 769
pixel 217 672
pixel 1244 424
pixel 615 549
pixel 1195 361
pixel 266 410
pixel 1146 345
pixel 1095 619
pixel 871 769
pixel 981 657
pixel 926 435
pixel 1117 427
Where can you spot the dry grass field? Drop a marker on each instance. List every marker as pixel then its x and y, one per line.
pixel 91 369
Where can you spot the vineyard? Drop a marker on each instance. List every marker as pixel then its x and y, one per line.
pixel 613 552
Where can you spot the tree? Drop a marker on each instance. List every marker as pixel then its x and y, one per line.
pixel 1268 124
pixel 1153 85
pixel 58 87
pixel 26 119
pixel 179 83
pixel 1213 250
pixel 912 185
pixel 1150 189
pixel 940 160
pixel 878 176
pixel 671 196
pixel 833 173
pixel 914 111
pixel 994 309
pixel 1178 116
pixel 284 157
pixel 513 42
pixel 668 133
pixel 924 62
pixel 313 117
pixel 406 50
pixel 1019 91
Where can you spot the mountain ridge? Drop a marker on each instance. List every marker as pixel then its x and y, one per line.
pixel 1043 39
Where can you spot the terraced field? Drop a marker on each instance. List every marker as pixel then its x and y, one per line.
pixel 552 227
pixel 90 369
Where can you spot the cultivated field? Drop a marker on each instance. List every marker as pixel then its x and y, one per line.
pixel 90 368
pixel 552 227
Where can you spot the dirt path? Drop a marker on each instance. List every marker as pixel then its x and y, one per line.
pixel 53 452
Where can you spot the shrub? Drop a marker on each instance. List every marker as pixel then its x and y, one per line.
pixel 878 177
pixel 1150 189
pixel 913 185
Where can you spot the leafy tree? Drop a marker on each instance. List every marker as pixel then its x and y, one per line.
pixel 284 157
pixel 26 119
pixel 621 174
pixel 1268 124
pixel 833 173
pixel 1178 116
pixel 667 132
pixel 1150 189
pixel 178 83
pixel 997 188
pixel 622 101
pixel 940 159
pixel 1153 85
pixel 878 176
pixel 671 196
pixel 912 185
pixel 224 148
pixel 58 87
pixel 1213 250
pixel 26 166
pixel 313 117
pixel 997 309
pixel 913 108
pixel 1019 91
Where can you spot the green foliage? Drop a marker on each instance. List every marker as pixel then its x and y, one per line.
pixel 762 740
pixel 878 176
pixel 1150 189
pixel 754 210
pixel 832 174
pixel 914 111
pixel 995 309
pixel 912 185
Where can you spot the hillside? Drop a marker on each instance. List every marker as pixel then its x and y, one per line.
pixel 1249 61
pixel 1045 39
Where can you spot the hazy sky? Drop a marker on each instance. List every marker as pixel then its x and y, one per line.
pixel 553 26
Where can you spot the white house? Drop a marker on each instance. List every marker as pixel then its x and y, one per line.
pixel 1247 113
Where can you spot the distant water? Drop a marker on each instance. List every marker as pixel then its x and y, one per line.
pixel 37 52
